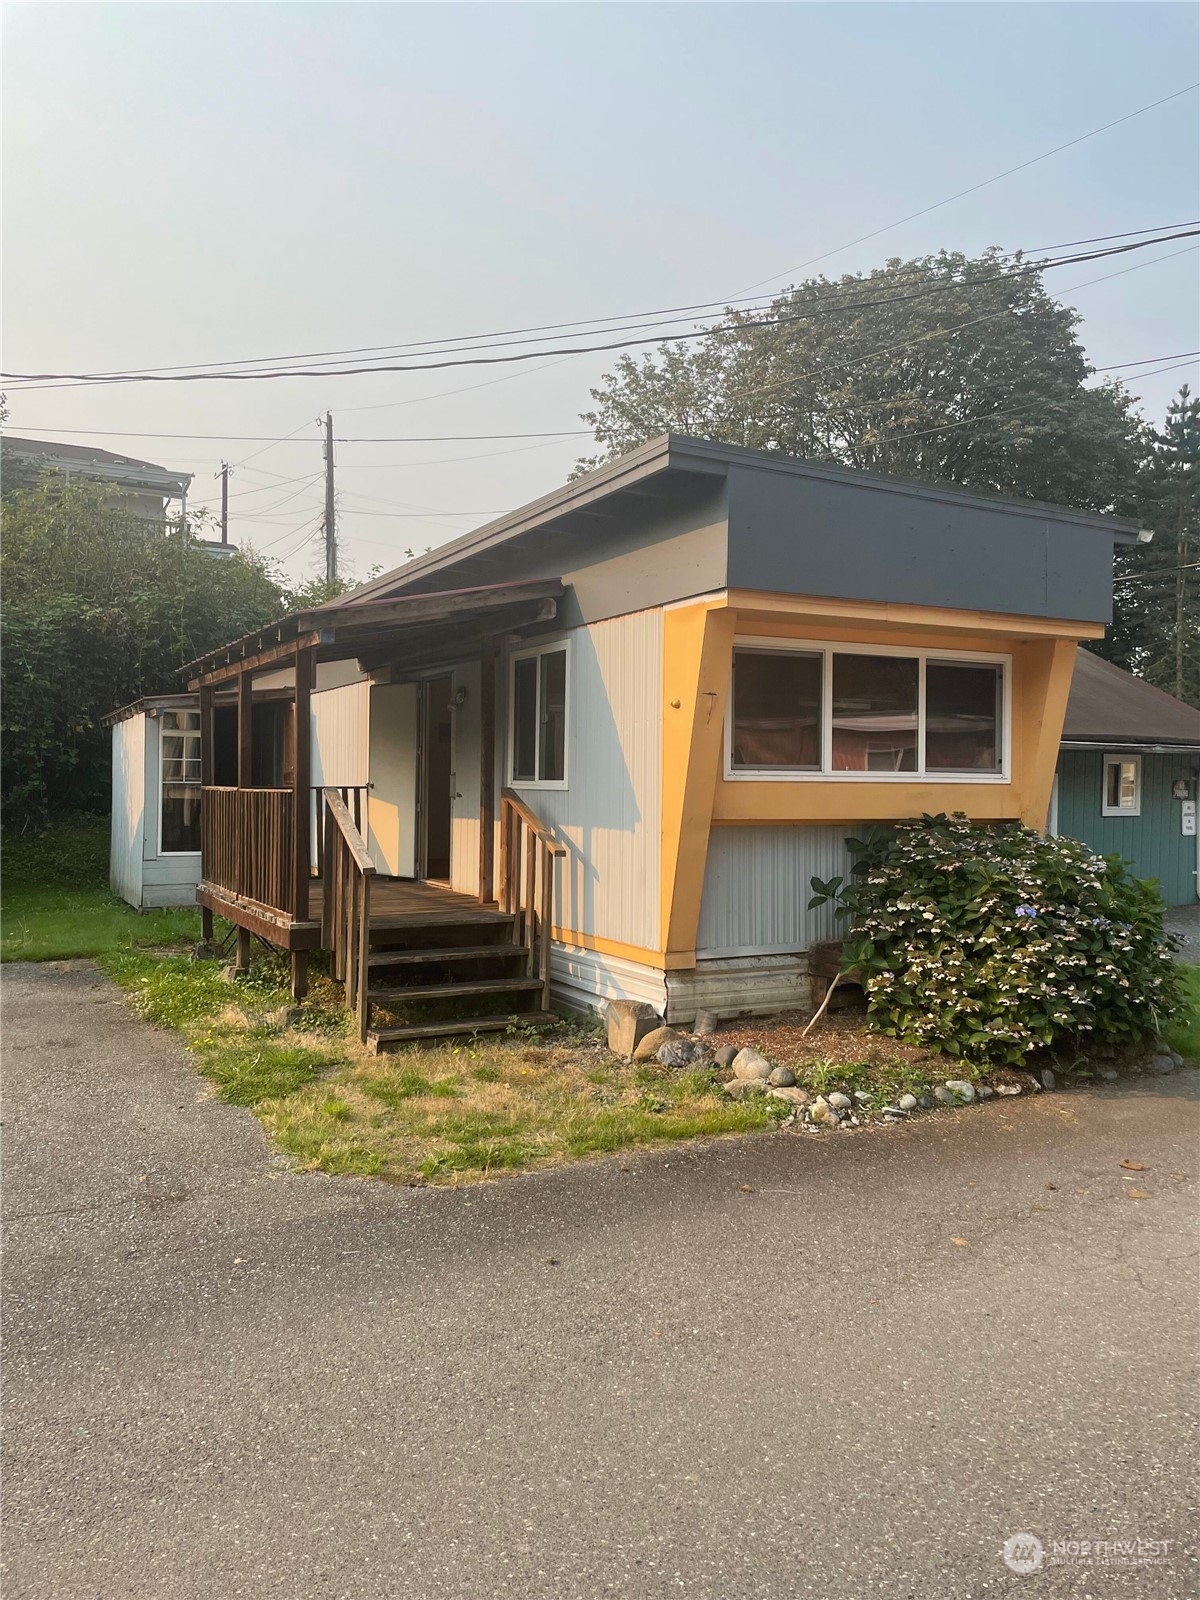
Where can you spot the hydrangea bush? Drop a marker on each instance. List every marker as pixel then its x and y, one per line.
pixel 989 942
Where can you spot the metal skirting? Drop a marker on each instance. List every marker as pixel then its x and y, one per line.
pixel 739 986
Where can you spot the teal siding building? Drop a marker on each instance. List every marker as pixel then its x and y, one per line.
pixel 1128 775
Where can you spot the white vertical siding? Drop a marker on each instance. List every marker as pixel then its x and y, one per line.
pixel 756 888
pixel 610 814
pixel 339 722
pixel 464 810
pixel 128 808
pixel 339 734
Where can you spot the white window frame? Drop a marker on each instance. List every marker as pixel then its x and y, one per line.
pixel 827 649
pixel 1135 810
pixel 544 647
pixel 163 730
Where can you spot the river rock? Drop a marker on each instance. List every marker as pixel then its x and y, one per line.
pixel 926 1100
pixel 1162 1064
pixel 628 1022
pixel 743 1088
pixel 795 1096
pixel 1108 1074
pixel 726 1054
pixel 821 1112
pixel 1008 1088
pixel 649 1046
pixel 962 1091
pixel 1046 1078
pixel 782 1078
pixel 985 1091
pixel 676 1052
pixel 907 1102
pixel 748 1063
pixel 839 1101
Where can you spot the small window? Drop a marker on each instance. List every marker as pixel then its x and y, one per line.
pixel 538 722
pixel 1122 786
pixel 776 710
pixel 962 717
pixel 179 748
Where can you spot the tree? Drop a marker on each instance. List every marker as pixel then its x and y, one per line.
pixel 1156 609
pixel 100 607
pixel 947 368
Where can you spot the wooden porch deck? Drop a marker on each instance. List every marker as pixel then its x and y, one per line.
pixel 396 904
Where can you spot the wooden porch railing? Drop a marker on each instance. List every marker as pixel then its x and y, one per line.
pixel 346 873
pixel 354 798
pixel 246 844
pixel 527 852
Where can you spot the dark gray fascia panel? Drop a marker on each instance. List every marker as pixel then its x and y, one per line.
pixel 853 537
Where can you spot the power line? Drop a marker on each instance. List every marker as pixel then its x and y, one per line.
pixel 258 438
pixel 82 380
pixel 1157 572
pixel 975 187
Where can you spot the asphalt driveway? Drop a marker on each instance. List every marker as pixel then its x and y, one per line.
pixel 763 1368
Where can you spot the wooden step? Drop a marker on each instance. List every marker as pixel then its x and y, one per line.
pixel 401 921
pixel 450 991
pixel 402 955
pixel 380 1038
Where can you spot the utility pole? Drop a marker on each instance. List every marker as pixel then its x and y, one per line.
pixel 330 527
pixel 224 502
pixel 1181 560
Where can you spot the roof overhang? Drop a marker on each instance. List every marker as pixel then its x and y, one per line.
pixel 400 630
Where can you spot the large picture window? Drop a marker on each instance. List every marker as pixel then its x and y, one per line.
pixel 538 717
pixel 179 751
pixel 836 711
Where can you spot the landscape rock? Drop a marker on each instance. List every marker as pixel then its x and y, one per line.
pixel 962 1091
pixel 926 1101
pixel 893 1114
pixel 839 1101
pixel 1108 1074
pixel 863 1097
pixel 796 1096
pixel 1008 1088
pixel 944 1096
pixel 1162 1064
pixel 782 1078
pixel 748 1063
pixel 742 1088
pixel 985 1091
pixel 705 1023
pixel 1047 1079
pixel 652 1043
pixel 628 1022
pixel 676 1052
pixel 726 1054
pixel 821 1112
pixel 907 1102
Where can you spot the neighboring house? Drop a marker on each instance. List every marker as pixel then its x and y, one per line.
pixel 610 737
pixel 144 488
pixel 1127 776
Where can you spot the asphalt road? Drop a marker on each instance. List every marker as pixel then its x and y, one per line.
pixel 755 1369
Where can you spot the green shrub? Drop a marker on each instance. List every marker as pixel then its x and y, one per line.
pixel 991 941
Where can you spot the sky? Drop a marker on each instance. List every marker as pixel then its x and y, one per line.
pixel 201 183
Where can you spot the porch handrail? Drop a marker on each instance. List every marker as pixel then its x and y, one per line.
pixel 246 844
pixel 346 873
pixel 528 850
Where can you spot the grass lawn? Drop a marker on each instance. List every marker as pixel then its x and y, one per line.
pixel 462 1112
pixel 1184 1031
pixel 453 1114
pixel 55 902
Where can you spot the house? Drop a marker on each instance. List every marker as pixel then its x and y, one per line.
pixel 1127 776
pixel 144 488
pixel 599 746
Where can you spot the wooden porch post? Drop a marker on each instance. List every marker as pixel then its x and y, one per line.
pixel 206 778
pixel 245 723
pixel 487 769
pixel 300 782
